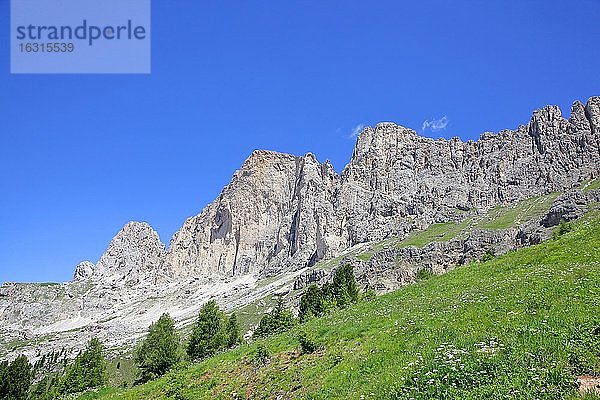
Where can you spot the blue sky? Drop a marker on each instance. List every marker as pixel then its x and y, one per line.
pixel 80 155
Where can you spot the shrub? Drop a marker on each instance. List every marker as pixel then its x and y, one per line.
pixel 311 303
pixel 159 351
pixel 423 274
pixel 308 344
pixel 209 334
pixel 329 302
pixel 487 256
pixel 344 286
pixel 234 337
pixel 261 355
pixel 562 228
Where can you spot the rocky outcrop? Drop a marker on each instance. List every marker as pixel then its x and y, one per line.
pixel 391 268
pixel 569 206
pixel 84 270
pixel 134 255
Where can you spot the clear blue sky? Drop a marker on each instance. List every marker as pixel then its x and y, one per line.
pixel 80 155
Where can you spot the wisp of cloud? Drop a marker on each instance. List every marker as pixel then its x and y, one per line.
pixel 435 124
pixel 356 130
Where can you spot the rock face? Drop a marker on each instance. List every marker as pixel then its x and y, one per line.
pixel 135 254
pixel 398 181
pixel 281 214
pixel 278 210
pixel 393 267
pixel 84 270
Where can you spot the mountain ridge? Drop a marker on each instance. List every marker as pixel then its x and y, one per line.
pixel 227 253
pixel 281 215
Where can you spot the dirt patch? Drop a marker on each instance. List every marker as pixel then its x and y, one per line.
pixel 588 384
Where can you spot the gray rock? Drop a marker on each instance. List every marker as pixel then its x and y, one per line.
pixel 281 213
pixel 134 255
pixel 569 206
pixel 308 278
pixel 84 270
pixel 276 214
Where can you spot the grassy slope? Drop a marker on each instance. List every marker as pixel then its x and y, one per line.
pixel 517 324
pixel 593 185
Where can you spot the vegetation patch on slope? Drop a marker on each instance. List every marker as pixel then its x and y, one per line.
pixel 504 217
pixel 499 217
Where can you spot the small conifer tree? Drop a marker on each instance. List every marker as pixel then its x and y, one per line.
pixel 159 351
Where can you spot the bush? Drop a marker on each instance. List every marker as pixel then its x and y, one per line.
pixel 487 256
pixel 344 288
pixel 423 274
pixel 261 355
pixel 308 344
pixel 329 302
pixel 15 379
pixel 159 351
pixel 87 371
pixel 562 228
pixel 343 291
pixel 209 334
pixel 278 320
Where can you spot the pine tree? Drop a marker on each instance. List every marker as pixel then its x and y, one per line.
pixel 311 303
pixel 209 334
pixel 159 351
pixel 344 286
pixel 87 371
pixel 234 336
pixel 15 379
pixel 278 320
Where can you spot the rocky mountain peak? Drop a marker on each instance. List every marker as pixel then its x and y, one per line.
pixel 84 270
pixel 259 159
pixel 134 254
pixel 592 113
